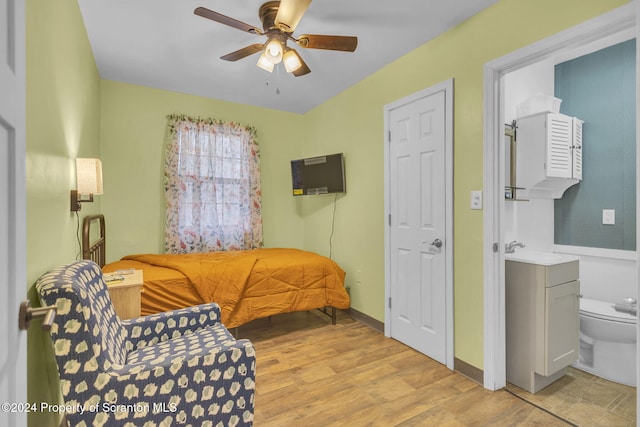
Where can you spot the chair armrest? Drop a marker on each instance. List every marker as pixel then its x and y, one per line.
pixel 146 330
pixel 210 354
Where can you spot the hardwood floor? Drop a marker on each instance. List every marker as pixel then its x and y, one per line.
pixel 311 373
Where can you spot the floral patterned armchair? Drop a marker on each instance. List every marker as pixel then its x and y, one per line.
pixel 176 368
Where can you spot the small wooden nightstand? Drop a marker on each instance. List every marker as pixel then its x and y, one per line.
pixel 126 295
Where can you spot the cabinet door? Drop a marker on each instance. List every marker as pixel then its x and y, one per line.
pixel 559 143
pixel 577 148
pixel 562 328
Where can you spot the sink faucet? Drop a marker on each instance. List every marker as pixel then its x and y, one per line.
pixel 511 246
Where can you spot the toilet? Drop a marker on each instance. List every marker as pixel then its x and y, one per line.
pixel 607 342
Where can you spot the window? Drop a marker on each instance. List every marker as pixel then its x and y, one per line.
pixel 212 187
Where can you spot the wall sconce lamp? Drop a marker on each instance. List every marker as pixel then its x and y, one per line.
pixel 89 182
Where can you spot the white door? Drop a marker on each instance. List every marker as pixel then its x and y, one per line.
pixel 418 306
pixel 13 352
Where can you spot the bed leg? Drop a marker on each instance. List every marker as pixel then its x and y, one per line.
pixel 235 332
pixel 333 315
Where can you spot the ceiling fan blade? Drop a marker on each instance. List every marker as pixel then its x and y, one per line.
pixel 304 68
pixel 218 17
pixel 243 53
pixel 316 41
pixel 289 14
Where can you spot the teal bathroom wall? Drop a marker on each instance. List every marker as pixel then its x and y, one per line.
pixel 599 88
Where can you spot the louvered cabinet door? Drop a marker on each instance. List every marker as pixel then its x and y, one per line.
pixel 577 148
pixel 559 162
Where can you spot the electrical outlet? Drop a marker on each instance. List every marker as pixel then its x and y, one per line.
pixel 608 216
pixel 476 200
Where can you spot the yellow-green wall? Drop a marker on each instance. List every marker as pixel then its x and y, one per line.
pixel 63 122
pixel 133 139
pixel 355 122
pixel 72 112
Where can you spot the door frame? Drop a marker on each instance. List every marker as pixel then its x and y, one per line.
pixel 13 88
pixel 446 87
pixel 599 28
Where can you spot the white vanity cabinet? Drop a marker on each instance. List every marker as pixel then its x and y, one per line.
pixel 542 319
pixel 548 154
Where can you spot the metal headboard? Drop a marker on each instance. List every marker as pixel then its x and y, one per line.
pixel 94 251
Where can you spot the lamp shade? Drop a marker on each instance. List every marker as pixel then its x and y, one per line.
pixel 273 51
pixel 289 14
pixel 291 61
pixel 264 63
pixel 89 176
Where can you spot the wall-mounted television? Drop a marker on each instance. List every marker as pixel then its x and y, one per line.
pixel 318 175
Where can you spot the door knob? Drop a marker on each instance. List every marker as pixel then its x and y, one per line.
pixel 27 313
pixel 437 243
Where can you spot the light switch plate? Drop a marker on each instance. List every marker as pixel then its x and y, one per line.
pixel 476 200
pixel 608 216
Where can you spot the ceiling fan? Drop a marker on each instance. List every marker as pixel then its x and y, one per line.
pixel 279 20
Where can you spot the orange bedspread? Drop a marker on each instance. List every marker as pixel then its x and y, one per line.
pixel 259 283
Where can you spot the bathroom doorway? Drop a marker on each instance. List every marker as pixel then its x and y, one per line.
pixel 585 38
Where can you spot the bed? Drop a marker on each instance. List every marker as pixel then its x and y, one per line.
pixel 247 285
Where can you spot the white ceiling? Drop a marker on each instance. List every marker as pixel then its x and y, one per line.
pixel 163 44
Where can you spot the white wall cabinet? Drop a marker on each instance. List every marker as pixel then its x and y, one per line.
pixel 549 154
pixel 542 322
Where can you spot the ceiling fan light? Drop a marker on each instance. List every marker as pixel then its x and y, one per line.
pixel 264 63
pixel 291 61
pixel 290 13
pixel 273 51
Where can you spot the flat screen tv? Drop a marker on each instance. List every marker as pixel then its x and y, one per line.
pixel 318 175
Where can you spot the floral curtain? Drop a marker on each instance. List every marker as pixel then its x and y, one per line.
pixel 212 186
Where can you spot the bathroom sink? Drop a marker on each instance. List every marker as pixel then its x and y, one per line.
pixel 540 258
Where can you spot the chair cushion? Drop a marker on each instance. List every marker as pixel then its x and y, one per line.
pixel 184 348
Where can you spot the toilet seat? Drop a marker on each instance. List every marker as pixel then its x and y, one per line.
pixel 605 311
